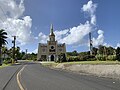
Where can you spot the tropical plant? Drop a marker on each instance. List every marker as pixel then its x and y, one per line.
pixel 61 58
pixel 4 51
pixel 3 41
pixel 118 53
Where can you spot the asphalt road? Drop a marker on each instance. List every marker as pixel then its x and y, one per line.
pixel 33 76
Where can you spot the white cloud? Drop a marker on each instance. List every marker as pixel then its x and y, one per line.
pixel 107 45
pixel 90 8
pixel 76 34
pixel 42 38
pixel 11 8
pixel 99 40
pixel 118 45
pixel 60 34
pixel 14 23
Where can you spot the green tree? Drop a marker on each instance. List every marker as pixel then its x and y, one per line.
pixel 10 52
pixel 101 49
pixel 74 53
pixel 3 41
pixel 4 51
pixel 94 50
pixel 62 58
pixel 17 53
pixel 118 53
pixel 110 50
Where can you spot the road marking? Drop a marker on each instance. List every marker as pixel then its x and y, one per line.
pixel 18 78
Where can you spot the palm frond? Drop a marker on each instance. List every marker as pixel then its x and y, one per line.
pixel 3 37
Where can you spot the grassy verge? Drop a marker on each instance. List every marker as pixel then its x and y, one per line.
pixel 5 65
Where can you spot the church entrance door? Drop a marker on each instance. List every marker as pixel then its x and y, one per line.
pixel 52 57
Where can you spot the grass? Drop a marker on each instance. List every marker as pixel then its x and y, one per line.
pixel 4 65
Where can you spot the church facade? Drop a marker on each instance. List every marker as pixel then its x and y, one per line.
pixel 51 50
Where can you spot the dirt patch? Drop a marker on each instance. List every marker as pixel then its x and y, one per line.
pixel 111 71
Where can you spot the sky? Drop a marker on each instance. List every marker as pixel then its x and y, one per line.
pixel 72 20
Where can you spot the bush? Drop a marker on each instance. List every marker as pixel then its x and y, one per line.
pixel 8 60
pixel 73 58
pixel 111 57
pixel 61 58
pixel 101 57
pixel 87 58
pixel 81 58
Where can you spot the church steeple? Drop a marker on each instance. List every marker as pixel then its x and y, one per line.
pixel 52 35
pixel 51 30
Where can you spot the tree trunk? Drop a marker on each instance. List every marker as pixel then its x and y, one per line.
pixel 0 56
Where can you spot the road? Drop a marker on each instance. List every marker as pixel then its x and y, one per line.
pixel 33 76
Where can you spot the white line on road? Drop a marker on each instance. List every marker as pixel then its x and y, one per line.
pixel 18 78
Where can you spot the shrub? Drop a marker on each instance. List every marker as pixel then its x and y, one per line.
pixel 87 58
pixel 111 57
pixel 61 58
pixel 73 58
pixel 8 60
pixel 101 57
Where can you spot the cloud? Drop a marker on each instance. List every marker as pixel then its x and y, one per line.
pixel 90 8
pixel 118 45
pixel 11 8
pixel 14 22
pixel 76 35
pixel 60 34
pixel 99 40
pixel 107 45
pixel 42 38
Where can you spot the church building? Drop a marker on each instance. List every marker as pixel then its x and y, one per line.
pixel 51 50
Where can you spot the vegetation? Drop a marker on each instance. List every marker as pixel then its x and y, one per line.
pixel 4 65
pixel 7 55
pixel 2 42
pixel 101 53
pixel 118 53
pixel 61 58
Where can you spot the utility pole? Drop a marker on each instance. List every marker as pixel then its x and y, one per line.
pixel 14 47
pixel 26 53
pixel 91 45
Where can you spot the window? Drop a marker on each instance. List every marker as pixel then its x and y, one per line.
pixel 52 47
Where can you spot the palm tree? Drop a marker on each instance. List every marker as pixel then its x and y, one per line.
pixel 2 42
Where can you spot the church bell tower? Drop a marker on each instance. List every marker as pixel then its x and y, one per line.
pixel 52 35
